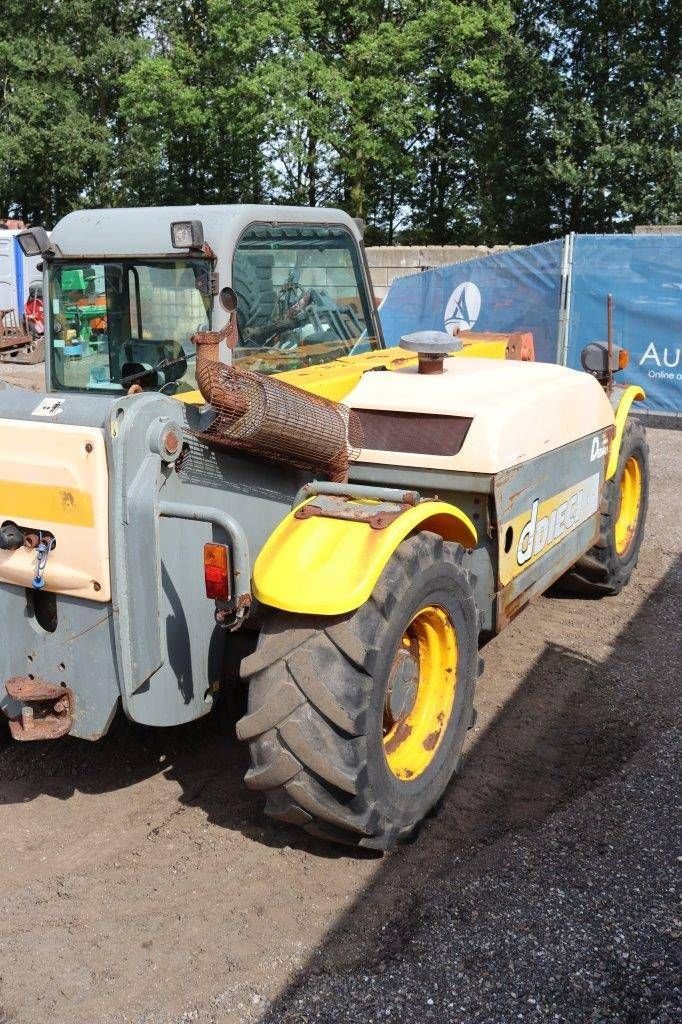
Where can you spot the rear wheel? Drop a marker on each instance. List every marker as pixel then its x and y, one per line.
pixel 356 723
pixel 606 568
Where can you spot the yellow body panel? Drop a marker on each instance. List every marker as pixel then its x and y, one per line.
pixel 336 379
pixel 53 477
pixel 630 395
pixel 484 349
pixel 56 504
pixel 191 398
pixel 328 566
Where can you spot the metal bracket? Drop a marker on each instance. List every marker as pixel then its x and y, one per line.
pixel 46 709
pixel 392 494
pixel 378 515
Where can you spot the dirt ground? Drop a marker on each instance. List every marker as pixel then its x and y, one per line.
pixel 142 883
pixel 24 376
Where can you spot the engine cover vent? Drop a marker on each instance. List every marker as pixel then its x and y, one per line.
pixel 412 433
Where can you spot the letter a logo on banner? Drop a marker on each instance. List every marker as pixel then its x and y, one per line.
pixel 463 308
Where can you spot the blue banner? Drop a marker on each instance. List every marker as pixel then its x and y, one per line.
pixel 644 275
pixel 519 290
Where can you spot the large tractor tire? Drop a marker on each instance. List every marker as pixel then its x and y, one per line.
pixel 607 567
pixel 356 723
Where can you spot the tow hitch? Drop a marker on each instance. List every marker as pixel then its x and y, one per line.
pixel 47 710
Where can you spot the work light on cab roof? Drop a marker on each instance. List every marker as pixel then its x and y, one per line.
pixel 187 234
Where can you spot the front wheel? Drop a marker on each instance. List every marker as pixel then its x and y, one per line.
pixel 356 723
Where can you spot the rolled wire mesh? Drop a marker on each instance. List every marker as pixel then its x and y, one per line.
pixel 265 417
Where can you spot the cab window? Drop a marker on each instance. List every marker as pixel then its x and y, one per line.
pixel 301 298
pixel 122 322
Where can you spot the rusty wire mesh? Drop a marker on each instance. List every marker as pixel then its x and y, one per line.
pixel 267 418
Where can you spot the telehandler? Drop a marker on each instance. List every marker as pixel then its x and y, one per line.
pixel 225 448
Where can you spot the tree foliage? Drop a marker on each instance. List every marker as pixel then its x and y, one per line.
pixel 456 120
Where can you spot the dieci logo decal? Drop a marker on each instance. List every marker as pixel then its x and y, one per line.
pixel 600 447
pixel 547 522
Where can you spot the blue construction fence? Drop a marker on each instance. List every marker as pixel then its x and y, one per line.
pixel 557 290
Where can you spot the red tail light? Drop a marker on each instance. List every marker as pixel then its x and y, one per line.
pixel 217 572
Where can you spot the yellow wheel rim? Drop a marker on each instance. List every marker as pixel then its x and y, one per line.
pixel 420 693
pixel 630 499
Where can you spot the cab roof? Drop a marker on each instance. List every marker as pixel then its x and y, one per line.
pixel 145 231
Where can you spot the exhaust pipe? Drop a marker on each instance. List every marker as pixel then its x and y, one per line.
pixel 263 416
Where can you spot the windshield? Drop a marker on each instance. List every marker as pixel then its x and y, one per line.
pixel 301 297
pixel 123 322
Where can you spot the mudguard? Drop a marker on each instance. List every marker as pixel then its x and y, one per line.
pixel 320 565
pixel 622 400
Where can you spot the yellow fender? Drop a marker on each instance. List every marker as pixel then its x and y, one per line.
pixel 631 394
pixel 324 566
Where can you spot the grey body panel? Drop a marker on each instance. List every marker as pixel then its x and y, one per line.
pixel 80 653
pixel 171 650
pixel 540 480
pixel 156 645
pixel 79 410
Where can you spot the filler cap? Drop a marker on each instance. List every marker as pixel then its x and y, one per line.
pixel 432 347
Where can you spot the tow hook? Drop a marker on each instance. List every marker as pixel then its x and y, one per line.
pixel 47 710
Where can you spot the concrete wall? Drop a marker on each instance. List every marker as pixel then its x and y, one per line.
pixel 388 262
pixel 658 229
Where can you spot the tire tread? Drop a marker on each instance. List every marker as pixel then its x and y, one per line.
pixel 310 685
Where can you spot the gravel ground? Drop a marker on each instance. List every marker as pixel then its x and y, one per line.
pixel 143 885
pixel 577 922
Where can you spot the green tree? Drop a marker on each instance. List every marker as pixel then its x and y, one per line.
pixel 194 134
pixel 60 75
pixel 456 120
pixel 588 139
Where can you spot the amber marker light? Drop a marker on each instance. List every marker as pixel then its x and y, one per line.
pixel 217 572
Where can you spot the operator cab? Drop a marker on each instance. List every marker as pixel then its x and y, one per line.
pixel 120 321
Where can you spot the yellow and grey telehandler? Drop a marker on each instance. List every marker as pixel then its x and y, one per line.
pixel 225 446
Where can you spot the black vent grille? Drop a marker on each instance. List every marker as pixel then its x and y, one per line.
pixel 413 433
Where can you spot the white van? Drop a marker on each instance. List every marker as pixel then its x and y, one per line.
pixel 17 273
